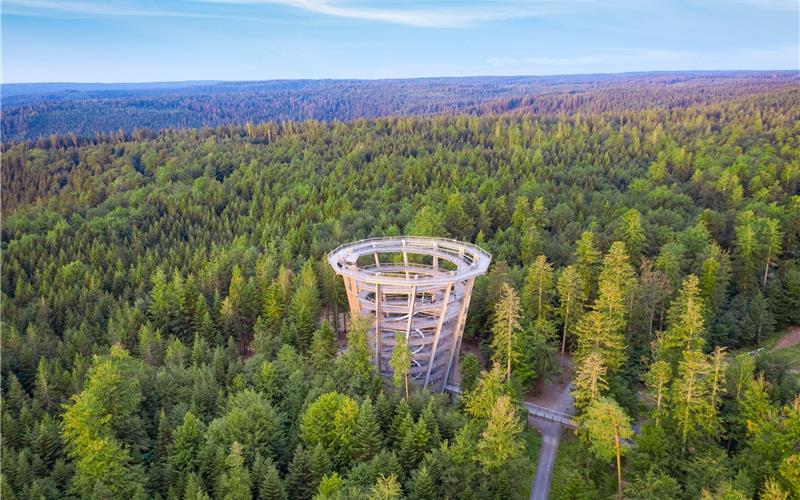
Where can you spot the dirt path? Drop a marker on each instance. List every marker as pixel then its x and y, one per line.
pixel 788 339
pixel 554 395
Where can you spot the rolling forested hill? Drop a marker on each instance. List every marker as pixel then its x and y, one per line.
pixel 31 111
pixel 164 292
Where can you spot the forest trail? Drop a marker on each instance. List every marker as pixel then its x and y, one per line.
pixel 554 395
pixel 788 339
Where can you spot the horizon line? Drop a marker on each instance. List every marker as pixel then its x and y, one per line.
pixel 427 77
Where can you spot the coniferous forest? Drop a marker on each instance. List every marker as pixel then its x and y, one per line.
pixel 171 328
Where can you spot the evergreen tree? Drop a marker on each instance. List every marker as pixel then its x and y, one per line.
pixel 367 440
pixel 499 442
pixel 587 261
pixel 538 290
pixel 299 478
pixel 590 380
pixel 604 425
pixel 323 347
pixel 271 487
pixel 413 446
pixel 320 464
pixel 400 362
pixel 686 324
pixel 188 440
pixel 304 307
pixel 234 484
pixel 470 371
pixel 572 296
pixel 194 490
pixel 504 328
pixel 386 488
pixel 598 332
pixel 692 409
pixel 631 231
pixel 422 486
pixel 657 380
pixel 479 402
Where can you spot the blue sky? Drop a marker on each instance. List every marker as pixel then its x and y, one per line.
pixel 167 40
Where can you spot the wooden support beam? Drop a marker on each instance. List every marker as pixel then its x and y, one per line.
pixel 378 318
pixel 459 330
pixel 411 303
pixel 442 315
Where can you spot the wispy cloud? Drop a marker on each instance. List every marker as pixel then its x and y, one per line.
pixel 418 13
pixel 426 17
pixel 102 9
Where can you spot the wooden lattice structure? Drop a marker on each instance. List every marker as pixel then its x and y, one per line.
pixel 417 286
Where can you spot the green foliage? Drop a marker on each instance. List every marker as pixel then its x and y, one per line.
pixel 331 421
pixel 184 271
pixel 505 327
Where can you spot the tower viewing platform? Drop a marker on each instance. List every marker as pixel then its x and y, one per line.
pixel 416 286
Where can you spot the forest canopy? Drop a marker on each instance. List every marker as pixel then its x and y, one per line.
pixel 171 329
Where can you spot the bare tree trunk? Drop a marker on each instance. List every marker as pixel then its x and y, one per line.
pixel 619 463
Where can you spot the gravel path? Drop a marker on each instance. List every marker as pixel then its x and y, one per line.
pixel 554 395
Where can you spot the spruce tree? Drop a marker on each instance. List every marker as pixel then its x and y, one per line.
pixel 499 443
pixel 319 464
pixel 538 290
pixel 571 297
pixel 686 323
pixel 271 487
pixel 400 363
pixel 323 346
pixel 235 482
pixel 299 478
pixel 421 486
pixel 368 437
pixel 504 328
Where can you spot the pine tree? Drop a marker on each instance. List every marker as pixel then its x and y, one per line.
pixel 323 347
pixel 402 421
pixel 533 352
pixel 504 327
pixel 429 417
pixel 400 362
pixel 299 480
pixel 604 425
pixel 367 440
pixel 657 380
pixel 538 289
pixel 692 410
pixel 319 464
pixel 599 332
pixel 631 231
pixel 470 371
pixel 747 245
pixel 686 323
pixel 234 484
pixel 479 402
pixel 304 307
pixel 188 440
pixel 330 487
pixel 587 260
pixel 572 296
pixel 499 443
pixel 773 238
pixel 386 488
pixel 194 490
pixel 271 487
pixel 413 446
pixel 421 485
pixel 616 283
pixel 590 380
